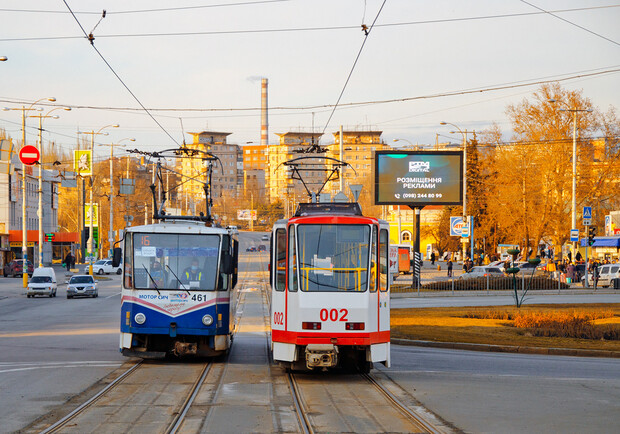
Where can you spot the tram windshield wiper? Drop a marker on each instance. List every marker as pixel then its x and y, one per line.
pixel 178 280
pixel 152 280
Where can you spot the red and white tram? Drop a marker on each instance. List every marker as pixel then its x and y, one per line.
pixel 330 293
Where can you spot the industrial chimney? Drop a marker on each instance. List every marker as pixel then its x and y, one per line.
pixel 264 123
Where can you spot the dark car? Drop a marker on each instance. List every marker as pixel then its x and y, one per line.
pixel 251 249
pixel 262 248
pixel 15 268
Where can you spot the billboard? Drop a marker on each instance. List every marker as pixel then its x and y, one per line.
pixel 246 214
pixel 83 162
pixel 418 178
pixel 95 213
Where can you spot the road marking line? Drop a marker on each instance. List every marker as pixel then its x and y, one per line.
pixel 113 295
pixel 32 368
pixel 98 331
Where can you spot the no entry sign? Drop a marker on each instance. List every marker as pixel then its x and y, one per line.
pixel 29 155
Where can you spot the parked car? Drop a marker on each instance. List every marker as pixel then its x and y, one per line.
pixel 482 271
pixel 264 238
pixel 82 285
pixel 606 273
pixel 105 266
pixel 527 268
pixel 43 282
pixel 15 268
pixel 262 248
pixel 251 249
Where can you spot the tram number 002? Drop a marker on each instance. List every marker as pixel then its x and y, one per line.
pixel 334 314
pixel 278 318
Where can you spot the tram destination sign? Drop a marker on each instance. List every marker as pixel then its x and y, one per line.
pixel 418 178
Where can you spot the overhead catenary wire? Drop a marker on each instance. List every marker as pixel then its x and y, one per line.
pixel 137 11
pixel 571 23
pixel 91 40
pixel 359 53
pixel 301 29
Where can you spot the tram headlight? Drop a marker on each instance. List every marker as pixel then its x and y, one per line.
pixel 207 320
pixel 140 318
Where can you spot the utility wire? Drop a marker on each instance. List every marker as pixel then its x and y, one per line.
pixel 570 22
pixel 513 85
pixel 359 53
pixel 92 40
pixel 135 11
pixel 303 29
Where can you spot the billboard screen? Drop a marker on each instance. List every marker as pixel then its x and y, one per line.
pixel 418 178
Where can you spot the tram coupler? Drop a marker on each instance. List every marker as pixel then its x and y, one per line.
pixel 321 356
pixel 185 349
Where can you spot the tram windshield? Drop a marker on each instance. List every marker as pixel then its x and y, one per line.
pixel 173 261
pixel 333 257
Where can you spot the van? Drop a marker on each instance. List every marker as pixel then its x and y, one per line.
pixel 42 282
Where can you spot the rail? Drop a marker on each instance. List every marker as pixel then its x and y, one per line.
pixel 80 409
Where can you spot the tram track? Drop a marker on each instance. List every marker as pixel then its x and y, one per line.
pixel 118 390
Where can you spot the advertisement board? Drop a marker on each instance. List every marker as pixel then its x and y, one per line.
pixel 246 214
pixel 83 162
pixel 95 213
pixel 418 178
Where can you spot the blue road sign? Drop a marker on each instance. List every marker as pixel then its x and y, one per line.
pixel 587 212
pixel 456 225
pixel 574 235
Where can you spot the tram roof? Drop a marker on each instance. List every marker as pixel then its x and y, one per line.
pixel 179 226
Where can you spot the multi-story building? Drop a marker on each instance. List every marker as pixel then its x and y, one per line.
pixel 227 177
pixel 280 184
pixel 254 165
pixel 11 202
pixel 358 151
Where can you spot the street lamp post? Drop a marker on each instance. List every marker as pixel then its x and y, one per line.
pixel 25 110
pixel 92 217
pixel 574 111
pixel 464 134
pixel 111 236
pixel 40 211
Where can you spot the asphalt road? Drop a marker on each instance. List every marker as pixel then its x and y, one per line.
pixel 53 349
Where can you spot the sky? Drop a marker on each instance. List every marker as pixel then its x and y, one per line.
pixel 204 59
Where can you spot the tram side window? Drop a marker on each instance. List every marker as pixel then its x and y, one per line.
pixel 383 260
pixel 128 262
pixel 235 261
pixel 224 279
pixel 292 260
pixel 373 261
pixel 280 266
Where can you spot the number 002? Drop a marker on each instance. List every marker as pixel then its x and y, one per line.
pixel 334 314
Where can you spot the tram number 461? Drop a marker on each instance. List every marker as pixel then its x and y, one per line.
pixel 334 315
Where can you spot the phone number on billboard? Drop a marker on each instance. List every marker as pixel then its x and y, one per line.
pixel 422 196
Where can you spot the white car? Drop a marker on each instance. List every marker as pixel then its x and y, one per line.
pixel 606 273
pixel 264 238
pixel 482 271
pixel 42 282
pixel 104 266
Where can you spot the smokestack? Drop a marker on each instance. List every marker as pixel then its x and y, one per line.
pixel 264 123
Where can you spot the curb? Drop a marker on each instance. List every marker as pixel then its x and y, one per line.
pixel 508 348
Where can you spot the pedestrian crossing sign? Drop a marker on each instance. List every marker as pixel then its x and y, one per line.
pixel 587 212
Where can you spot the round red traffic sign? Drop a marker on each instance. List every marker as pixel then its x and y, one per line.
pixel 29 155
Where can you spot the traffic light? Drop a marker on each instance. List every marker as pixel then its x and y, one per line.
pixel 591 235
pixel 49 238
pixel 96 237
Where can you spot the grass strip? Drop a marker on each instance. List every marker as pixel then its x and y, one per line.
pixel 531 325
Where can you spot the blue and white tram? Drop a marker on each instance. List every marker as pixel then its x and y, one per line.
pixel 178 289
pixel 330 298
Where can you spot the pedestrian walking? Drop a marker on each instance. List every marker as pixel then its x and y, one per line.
pixel 433 258
pixel 449 268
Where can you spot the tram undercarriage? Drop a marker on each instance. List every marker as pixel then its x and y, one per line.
pixel 329 356
pixel 157 346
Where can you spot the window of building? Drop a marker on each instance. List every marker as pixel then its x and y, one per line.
pixel 405 236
